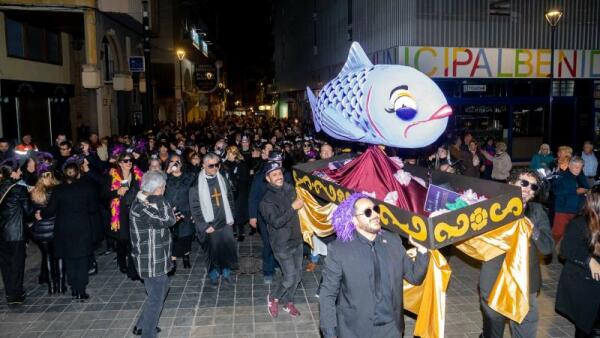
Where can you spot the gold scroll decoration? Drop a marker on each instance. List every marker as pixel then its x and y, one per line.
pixel 334 194
pixel 477 220
pixel 417 229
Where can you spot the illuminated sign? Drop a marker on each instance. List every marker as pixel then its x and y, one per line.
pixel 198 42
pixel 459 62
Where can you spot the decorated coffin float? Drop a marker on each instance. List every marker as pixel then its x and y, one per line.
pixel 401 193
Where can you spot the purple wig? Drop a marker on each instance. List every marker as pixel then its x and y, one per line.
pixel 342 217
pixel 140 146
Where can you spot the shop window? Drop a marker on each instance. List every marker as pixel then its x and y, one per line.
pixel 482 121
pixel 32 43
pixel 527 130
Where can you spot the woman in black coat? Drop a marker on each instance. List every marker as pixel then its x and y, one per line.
pixel 177 194
pixel 42 231
pixel 74 204
pixel 239 174
pixel 125 180
pixel 578 291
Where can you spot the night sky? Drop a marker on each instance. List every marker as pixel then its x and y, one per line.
pixel 242 38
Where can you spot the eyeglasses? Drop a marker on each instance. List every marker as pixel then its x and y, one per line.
pixel 213 165
pixel 126 160
pixel 526 183
pixel 369 211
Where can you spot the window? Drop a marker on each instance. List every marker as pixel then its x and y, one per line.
pixel 14 38
pixel 32 43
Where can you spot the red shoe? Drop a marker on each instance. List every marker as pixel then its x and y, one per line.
pixel 291 309
pixel 272 306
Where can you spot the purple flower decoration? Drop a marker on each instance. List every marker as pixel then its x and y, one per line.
pixel 44 157
pixel 342 217
pixel 140 146
pixel 117 150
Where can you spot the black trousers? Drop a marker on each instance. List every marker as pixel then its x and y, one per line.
pixel 182 246
pixel 77 273
pixel 291 268
pixel 124 258
pixel 12 265
pixel 595 330
pixel 49 264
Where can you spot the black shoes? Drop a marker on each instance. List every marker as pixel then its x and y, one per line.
pixel 80 296
pixel 138 332
pixel 94 269
pixel 186 262
pixel 173 269
pixel 15 300
pixel 240 238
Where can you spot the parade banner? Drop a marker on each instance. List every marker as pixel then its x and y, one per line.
pixel 460 62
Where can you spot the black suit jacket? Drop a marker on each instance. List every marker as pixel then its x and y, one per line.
pixel 347 302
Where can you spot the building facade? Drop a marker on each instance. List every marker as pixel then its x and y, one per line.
pixel 490 58
pixel 64 68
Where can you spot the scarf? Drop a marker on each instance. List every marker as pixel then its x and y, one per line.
pixel 115 203
pixel 206 203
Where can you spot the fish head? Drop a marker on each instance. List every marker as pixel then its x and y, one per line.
pixel 405 108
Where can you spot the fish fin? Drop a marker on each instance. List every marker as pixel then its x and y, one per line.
pixel 340 125
pixel 357 59
pixel 313 105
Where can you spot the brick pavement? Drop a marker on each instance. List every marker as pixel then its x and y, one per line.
pixel 194 308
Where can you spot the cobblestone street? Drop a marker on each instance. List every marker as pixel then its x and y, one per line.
pixel 194 308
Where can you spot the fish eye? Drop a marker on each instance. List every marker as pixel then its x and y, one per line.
pixel 405 102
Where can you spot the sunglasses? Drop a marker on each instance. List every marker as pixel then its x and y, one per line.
pixel 533 186
pixel 369 211
pixel 126 160
pixel 214 165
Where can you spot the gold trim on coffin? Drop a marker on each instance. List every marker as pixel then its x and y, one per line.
pixel 477 220
pixel 335 195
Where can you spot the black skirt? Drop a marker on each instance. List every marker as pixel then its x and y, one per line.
pixel 221 249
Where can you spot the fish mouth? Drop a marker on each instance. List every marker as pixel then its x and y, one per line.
pixel 443 112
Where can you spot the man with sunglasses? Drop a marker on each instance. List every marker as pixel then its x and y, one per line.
pixel 361 294
pixel 211 205
pixel 541 243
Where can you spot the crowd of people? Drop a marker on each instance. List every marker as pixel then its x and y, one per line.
pixel 146 198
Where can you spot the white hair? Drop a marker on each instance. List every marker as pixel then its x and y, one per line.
pixel 153 180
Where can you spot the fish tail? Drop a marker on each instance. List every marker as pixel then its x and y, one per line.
pixel 313 105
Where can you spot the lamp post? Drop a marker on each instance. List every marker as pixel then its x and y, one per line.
pixel 181 56
pixel 553 17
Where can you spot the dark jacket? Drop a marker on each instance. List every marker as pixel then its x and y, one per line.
pixel 258 189
pixel 150 237
pixel 43 230
pixel 195 208
pixel 542 245
pixel 177 194
pixel 75 206
pixel 12 210
pixel 239 175
pixel 468 168
pixel 577 294
pixel 346 302
pixel 566 199
pixel 282 220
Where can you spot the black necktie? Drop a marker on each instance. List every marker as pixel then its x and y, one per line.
pixel 376 271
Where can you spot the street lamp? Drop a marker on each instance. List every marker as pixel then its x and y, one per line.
pixel 181 55
pixel 553 17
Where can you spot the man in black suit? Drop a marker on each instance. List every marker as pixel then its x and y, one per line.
pixel 541 243
pixel 361 294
